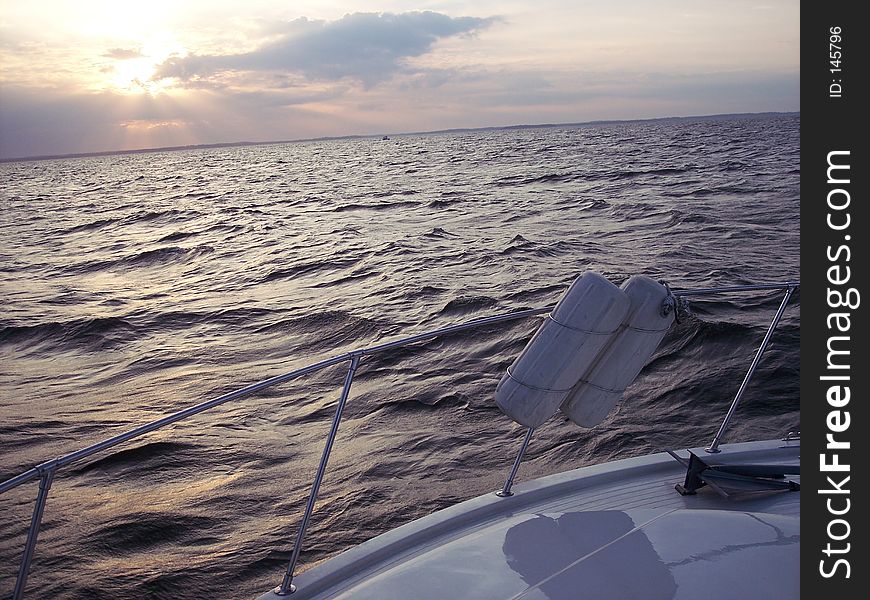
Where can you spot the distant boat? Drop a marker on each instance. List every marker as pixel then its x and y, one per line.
pixel 386 137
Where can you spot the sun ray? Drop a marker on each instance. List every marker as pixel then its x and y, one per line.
pixel 134 73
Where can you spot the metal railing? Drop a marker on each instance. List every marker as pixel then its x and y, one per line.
pixel 714 445
pixel 46 471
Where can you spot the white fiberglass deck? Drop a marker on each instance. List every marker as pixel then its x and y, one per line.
pixel 613 531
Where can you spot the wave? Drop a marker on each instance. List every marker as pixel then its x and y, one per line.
pixel 442 203
pixel 311 267
pixel 167 320
pixel 143 532
pixel 695 335
pixel 162 256
pixel 170 215
pixel 374 206
pixel 465 305
pixel 426 291
pixel 105 333
pixel 176 236
pixel 157 257
pixel 629 174
pixel 388 193
pixel 98 224
pixel 438 232
pixel 330 328
pixel 521 180
pixel 351 278
pixel 99 333
pixel 138 456
pixel 535 294
pixel 520 245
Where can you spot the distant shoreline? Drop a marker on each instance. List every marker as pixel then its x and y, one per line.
pixel 392 135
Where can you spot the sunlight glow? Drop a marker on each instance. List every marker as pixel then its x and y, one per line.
pixel 132 75
pixel 135 75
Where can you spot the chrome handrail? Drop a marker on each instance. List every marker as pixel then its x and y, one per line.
pixel 714 445
pixel 46 471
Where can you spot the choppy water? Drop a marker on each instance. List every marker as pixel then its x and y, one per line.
pixel 136 285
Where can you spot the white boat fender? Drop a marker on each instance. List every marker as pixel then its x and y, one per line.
pixel 620 362
pixel 562 350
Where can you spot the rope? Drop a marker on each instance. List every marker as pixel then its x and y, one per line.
pixel 675 304
pixel 536 388
pixel 587 331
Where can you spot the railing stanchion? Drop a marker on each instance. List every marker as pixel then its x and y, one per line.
pixel 287 586
pixel 509 482
pixel 714 445
pixel 33 532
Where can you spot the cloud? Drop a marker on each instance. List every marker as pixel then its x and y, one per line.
pixel 122 53
pixel 38 121
pixel 368 47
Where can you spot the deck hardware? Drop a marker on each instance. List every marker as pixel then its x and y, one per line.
pixel 714 445
pixel 509 482
pixel 287 586
pixel 728 479
pixel 47 476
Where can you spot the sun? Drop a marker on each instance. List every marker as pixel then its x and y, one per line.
pixel 134 74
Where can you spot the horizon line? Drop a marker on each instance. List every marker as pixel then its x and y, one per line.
pixel 376 135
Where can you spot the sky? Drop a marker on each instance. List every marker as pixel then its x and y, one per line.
pixel 97 75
